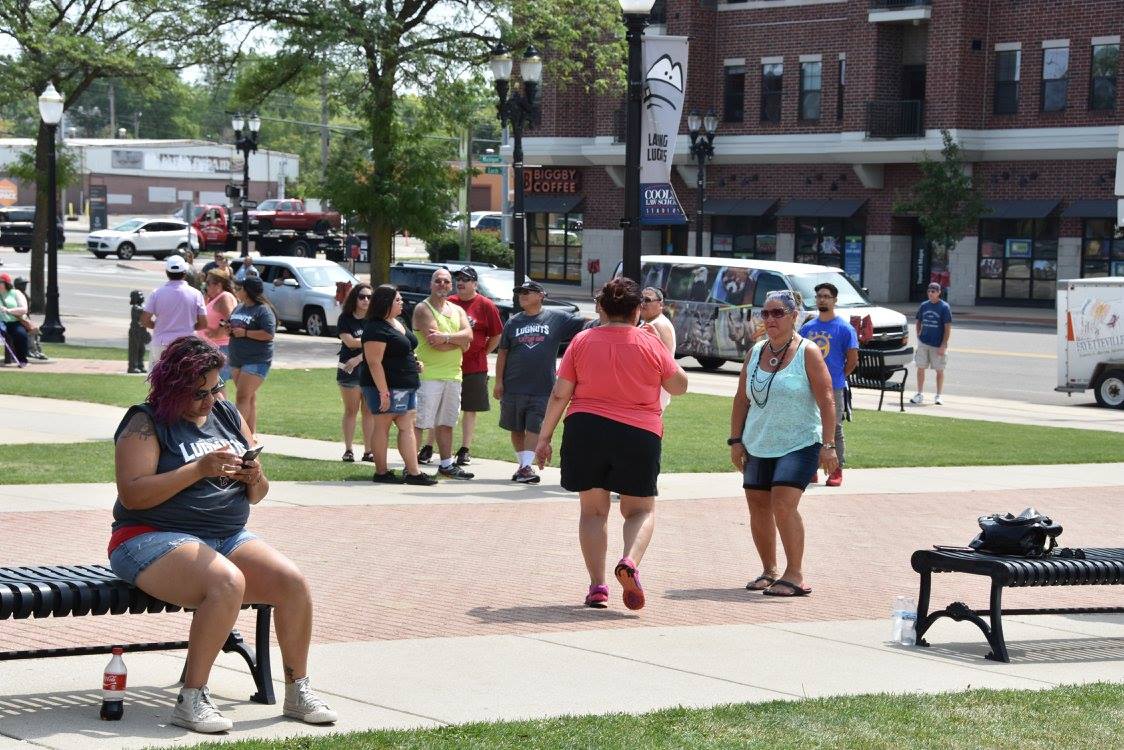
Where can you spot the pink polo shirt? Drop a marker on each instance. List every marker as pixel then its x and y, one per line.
pixel 617 372
pixel 176 307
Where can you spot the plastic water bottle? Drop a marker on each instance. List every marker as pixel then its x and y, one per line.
pixel 113 687
pixel 903 618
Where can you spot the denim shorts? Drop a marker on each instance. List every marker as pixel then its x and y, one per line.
pixel 402 400
pixel 132 556
pixel 261 369
pixel 794 469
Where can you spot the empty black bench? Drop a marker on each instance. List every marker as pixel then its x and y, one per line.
pixel 1101 567
pixel 873 373
pixel 81 590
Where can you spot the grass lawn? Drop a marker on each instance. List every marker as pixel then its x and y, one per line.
pixel 306 403
pixel 93 462
pixel 70 351
pixel 1066 717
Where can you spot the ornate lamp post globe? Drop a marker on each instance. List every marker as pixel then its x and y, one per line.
pixel 518 109
pixel 702 148
pixel 246 141
pixel 635 19
pixel 50 109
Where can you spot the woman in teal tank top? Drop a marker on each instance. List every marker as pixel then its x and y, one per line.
pixel 783 407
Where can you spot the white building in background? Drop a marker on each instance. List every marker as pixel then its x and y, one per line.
pixel 157 176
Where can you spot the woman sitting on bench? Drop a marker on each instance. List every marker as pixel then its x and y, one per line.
pixel 179 529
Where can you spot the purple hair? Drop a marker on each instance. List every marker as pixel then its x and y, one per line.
pixel 175 377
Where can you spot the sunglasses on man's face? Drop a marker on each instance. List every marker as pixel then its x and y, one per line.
pixel 648 300
pixel 776 312
pixel 204 392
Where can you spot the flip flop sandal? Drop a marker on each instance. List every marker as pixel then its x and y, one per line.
pixel 629 578
pixel 598 597
pixel 790 586
pixel 752 585
pixel 348 457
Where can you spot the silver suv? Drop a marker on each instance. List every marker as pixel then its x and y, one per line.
pixel 303 291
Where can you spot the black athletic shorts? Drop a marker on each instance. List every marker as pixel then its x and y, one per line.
pixel 610 455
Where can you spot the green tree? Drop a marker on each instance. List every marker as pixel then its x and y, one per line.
pixel 67 167
pixel 426 46
pixel 76 43
pixel 945 201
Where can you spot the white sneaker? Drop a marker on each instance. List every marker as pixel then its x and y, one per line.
pixel 195 711
pixel 301 703
pixel 917 398
pixel 937 400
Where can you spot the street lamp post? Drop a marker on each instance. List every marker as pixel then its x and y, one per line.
pixel 50 109
pixel 702 148
pixel 517 109
pixel 247 144
pixel 635 19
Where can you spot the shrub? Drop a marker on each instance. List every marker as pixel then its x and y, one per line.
pixel 487 247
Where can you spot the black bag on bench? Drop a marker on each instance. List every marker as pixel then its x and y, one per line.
pixel 1029 534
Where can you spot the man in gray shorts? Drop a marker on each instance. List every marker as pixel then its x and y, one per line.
pixel 526 369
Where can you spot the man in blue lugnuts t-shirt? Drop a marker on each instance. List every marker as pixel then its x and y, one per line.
pixel 934 326
pixel 839 344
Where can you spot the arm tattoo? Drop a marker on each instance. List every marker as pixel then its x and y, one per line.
pixel 140 426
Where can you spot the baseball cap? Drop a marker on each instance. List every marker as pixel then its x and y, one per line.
pixel 530 286
pixel 6 278
pixel 467 272
pixel 252 284
pixel 935 285
pixel 175 264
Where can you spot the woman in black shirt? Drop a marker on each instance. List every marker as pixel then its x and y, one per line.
pixel 389 380
pixel 350 329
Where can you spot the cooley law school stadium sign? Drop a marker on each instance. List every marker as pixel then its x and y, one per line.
pixel 556 180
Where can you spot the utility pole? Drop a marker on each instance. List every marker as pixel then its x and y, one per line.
pixel 324 124
pixel 505 202
pixel 463 206
pixel 112 111
pixel 136 124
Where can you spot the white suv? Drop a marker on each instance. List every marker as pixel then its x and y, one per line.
pixel 156 237
pixel 303 291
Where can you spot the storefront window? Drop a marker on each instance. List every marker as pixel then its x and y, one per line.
pixel 1018 259
pixel 832 242
pixel 555 245
pixel 1102 249
pixel 743 237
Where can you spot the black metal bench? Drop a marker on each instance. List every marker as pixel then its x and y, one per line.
pixel 80 590
pixel 873 373
pixel 1101 567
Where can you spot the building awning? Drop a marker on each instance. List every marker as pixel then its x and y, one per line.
pixel 1099 209
pixel 822 209
pixel 551 204
pixel 735 207
pixel 1039 209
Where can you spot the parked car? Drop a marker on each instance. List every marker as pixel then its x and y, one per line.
pixel 491 221
pixel 497 284
pixel 289 213
pixel 303 292
pixel 17 228
pixel 156 237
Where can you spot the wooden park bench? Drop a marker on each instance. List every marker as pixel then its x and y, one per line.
pixel 873 373
pixel 81 590
pixel 1101 567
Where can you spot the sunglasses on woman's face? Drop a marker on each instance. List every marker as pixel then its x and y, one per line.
pixel 364 296
pixel 204 392
pixel 776 312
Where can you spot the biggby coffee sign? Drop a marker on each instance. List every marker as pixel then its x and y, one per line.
pixel 553 180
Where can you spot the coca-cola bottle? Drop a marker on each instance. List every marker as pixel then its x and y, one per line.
pixel 113 687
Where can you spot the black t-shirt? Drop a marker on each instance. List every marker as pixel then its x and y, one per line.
pixel 398 361
pixel 352 326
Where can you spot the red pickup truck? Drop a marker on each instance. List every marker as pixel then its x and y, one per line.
pixel 289 213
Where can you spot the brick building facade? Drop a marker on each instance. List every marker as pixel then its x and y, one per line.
pixel 826 106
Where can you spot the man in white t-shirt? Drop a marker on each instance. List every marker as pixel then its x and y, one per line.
pixel 175 309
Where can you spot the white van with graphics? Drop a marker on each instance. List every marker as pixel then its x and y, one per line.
pixel 715 304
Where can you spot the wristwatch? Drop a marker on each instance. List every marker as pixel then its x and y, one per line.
pixel 829 445
pixel 733 440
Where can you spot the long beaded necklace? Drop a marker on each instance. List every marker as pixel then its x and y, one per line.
pixel 766 386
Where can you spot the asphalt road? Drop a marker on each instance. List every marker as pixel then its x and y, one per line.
pixel 986 359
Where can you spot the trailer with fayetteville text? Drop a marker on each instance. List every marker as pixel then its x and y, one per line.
pixel 1091 338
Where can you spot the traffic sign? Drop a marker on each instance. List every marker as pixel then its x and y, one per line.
pixel 247 203
pixel 490 159
pixel 493 170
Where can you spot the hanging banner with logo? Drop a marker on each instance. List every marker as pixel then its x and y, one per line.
pixel 665 74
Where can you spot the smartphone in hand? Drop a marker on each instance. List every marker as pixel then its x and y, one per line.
pixel 251 454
